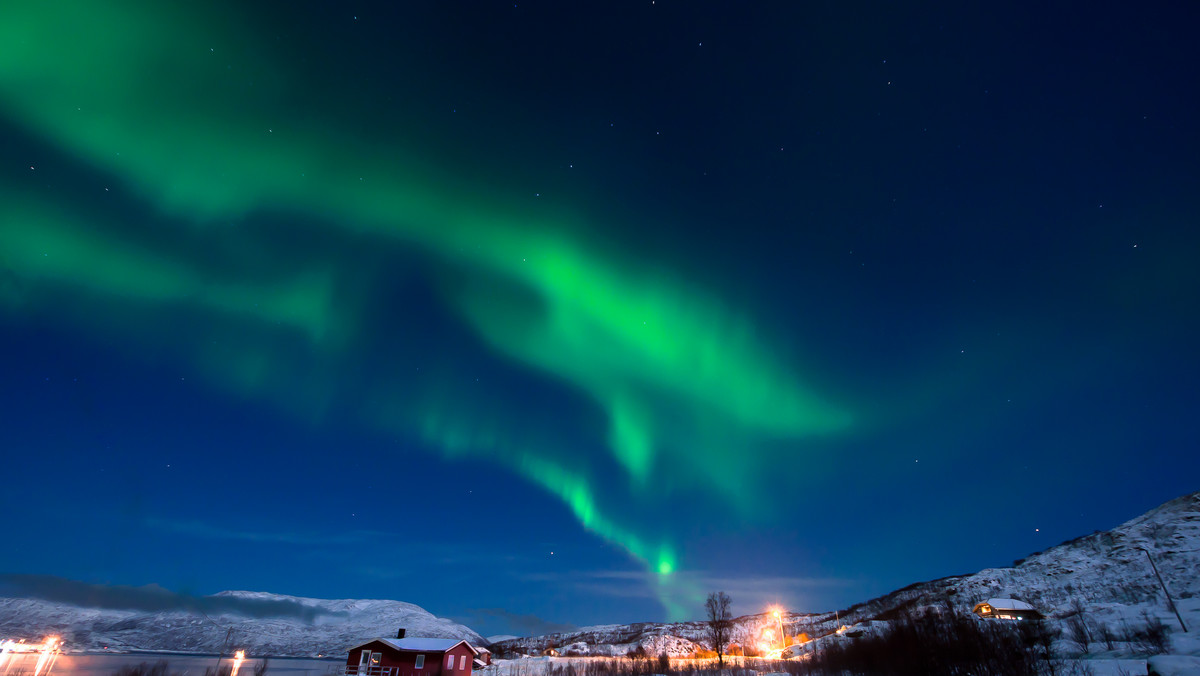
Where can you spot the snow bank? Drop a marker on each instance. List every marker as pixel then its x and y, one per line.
pixel 1173 665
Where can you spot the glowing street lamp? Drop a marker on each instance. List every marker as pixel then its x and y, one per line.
pixel 779 619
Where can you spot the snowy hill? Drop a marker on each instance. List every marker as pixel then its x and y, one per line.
pixel 1108 572
pixel 1104 570
pixel 326 627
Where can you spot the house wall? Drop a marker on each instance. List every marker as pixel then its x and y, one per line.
pixel 402 660
pixel 991 612
pixel 459 651
pixel 405 661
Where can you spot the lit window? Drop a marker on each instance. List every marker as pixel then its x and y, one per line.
pixel 420 662
pixel 450 662
pixel 462 662
pixel 376 658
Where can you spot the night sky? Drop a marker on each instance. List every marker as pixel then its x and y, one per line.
pixel 555 313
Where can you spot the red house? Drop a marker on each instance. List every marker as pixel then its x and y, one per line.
pixel 412 656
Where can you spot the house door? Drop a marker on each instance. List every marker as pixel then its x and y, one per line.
pixel 364 662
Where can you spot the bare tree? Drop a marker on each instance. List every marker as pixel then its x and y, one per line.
pixel 1078 629
pixel 719 623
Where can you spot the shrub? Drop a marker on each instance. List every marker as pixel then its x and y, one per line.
pixel 1108 636
pixel 1149 637
pixel 159 668
pixel 945 643
pixel 1077 627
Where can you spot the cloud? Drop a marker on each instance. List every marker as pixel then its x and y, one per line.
pixel 389 546
pixel 149 598
pixel 204 530
pixel 523 625
pixel 751 594
pixel 632 584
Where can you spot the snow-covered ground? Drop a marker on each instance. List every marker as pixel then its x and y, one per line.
pixel 539 666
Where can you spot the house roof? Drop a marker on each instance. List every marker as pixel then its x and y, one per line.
pixel 420 644
pixel 1009 604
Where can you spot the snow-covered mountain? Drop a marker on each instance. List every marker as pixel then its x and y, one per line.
pixel 327 627
pixel 1108 572
pixel 1108 569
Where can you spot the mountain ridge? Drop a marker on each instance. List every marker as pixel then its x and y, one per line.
pixel 1109 571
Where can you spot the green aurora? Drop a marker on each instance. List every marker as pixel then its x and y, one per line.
pixel 178 106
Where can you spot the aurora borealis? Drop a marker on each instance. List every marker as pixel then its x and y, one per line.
pixel 369 301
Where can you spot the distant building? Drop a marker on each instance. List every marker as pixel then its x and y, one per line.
pixel 412 656
pixel 796 650
pixel 1007 609
pixel 483 657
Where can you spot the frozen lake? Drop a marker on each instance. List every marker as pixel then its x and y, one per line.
pixel 79 664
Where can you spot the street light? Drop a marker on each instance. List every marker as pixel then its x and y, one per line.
pixel 782 638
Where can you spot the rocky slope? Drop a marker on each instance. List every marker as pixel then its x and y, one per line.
pixel 1102 570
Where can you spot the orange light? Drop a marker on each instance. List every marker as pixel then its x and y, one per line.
pixel 48 649
pixel 238 658
pixel 5 648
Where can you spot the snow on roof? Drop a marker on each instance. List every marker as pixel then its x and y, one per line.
pixel 1009 604
pixel 420 644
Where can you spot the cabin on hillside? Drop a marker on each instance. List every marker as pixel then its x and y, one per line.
pixel 411 656
pixel 483 658
pixel 1007 609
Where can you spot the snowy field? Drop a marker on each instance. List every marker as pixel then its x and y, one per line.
pixel 539 666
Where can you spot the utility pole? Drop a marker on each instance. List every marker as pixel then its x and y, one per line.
pixel 1170 601
pixel 221 656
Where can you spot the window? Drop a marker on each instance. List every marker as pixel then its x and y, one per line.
pixel 376 659
pixel 462 662
pixel 420 664
pixel 450 662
